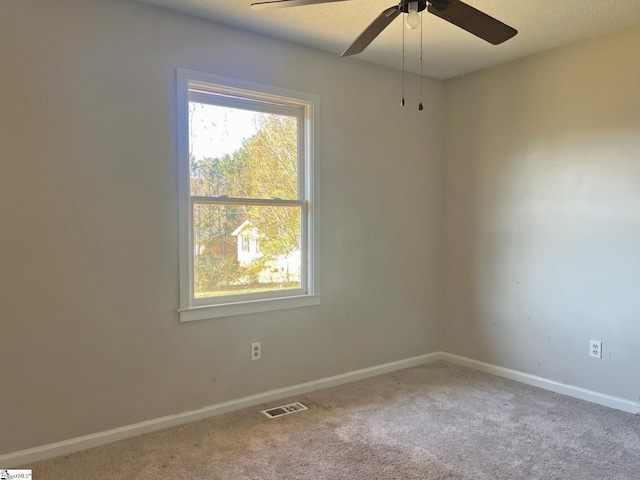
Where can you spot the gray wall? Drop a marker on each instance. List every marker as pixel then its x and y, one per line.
pixel 90 336
pixel 542 215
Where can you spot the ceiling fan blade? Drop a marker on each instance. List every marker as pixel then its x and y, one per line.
pixel 474 21
pixel 373 30
pixel 287 3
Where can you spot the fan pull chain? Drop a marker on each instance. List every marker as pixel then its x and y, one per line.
pixel 402 100
pixel 420 107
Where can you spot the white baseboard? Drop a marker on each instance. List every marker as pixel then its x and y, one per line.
pixel 545 383
pixel 25 457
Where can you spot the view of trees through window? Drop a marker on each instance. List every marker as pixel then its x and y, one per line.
pixel 245 201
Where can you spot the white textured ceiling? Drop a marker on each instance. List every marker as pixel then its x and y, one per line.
pixel 448 50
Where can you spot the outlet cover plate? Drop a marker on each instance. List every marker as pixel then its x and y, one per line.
pixel 256 351
pixel 595 348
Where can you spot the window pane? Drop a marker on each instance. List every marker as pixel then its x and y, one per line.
pixel 245 249
pixel 242 153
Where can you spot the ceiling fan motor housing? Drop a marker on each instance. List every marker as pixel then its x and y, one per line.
pixel 422 4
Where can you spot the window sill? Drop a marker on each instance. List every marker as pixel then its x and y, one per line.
pixel 243 308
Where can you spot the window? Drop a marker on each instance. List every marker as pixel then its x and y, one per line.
pixel 247 197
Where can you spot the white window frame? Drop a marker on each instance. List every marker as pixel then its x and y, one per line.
pixel 192 309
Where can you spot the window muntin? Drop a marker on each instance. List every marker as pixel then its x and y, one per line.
pixel 247 185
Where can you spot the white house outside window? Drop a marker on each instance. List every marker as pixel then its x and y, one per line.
pixel 247 197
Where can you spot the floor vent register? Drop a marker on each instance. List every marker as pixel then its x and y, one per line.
pixel 284 410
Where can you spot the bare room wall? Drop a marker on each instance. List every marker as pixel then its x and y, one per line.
pixel 542 215
pixel 88 201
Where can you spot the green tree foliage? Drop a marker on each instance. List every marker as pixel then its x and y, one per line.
pixel 273 174
pixel 265 166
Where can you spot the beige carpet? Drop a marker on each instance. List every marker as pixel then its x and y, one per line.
pixel 437 421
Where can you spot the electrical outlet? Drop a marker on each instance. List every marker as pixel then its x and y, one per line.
pixel 256 351
pixel 595 348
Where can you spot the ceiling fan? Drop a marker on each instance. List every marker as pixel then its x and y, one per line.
pixel 453 11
